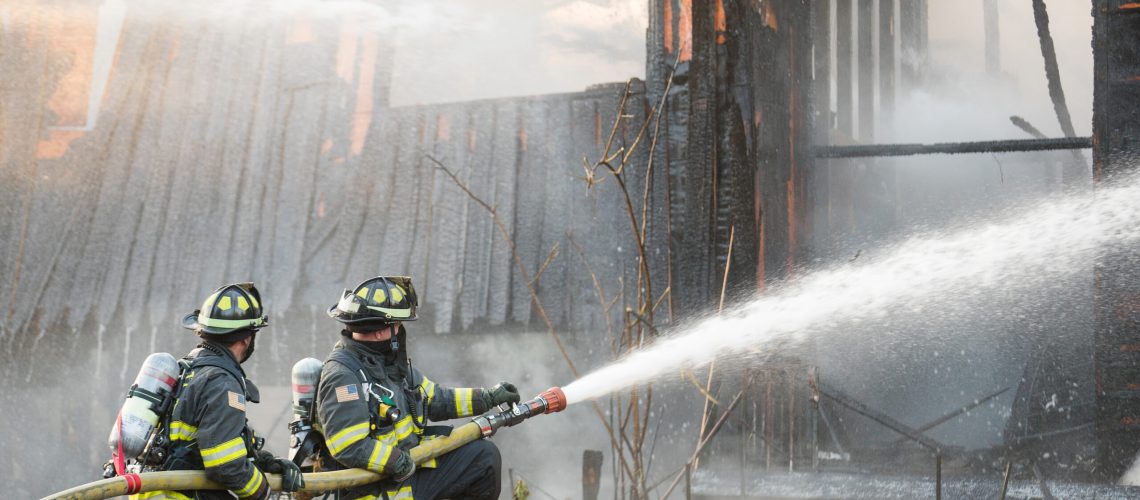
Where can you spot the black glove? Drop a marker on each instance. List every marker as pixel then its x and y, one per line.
pixel 291 478
pixel 404 466
pixel 503 392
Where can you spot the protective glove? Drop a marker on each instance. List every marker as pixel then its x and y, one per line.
pixel 503 392
pixel 404 466
pixel 291 478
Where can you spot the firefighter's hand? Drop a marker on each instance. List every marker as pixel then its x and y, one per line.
pixel 404 467
pixel 503 392
pixel 291 478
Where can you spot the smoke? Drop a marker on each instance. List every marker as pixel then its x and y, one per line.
pixel 503 48
pixel 957 52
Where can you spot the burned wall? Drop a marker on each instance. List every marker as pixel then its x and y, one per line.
pixel 246 148
pixel 1116 123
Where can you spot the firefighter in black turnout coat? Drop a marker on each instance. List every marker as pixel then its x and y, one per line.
pixel 373 406
pixel 207 426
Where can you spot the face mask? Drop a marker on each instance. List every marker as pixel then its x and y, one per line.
pixel 249 349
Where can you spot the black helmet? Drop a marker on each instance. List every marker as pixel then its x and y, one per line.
pixel 229 309
pixel 377 302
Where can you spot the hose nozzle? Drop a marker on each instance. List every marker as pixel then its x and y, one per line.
pixel 555 399
pixel 550 401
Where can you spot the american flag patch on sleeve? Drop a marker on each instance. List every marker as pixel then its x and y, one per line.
pixel 347 393
pixel 237 400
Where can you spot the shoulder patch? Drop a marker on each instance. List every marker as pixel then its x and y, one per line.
pixel 347 393
pixel 236 400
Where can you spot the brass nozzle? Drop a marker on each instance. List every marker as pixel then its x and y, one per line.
pixel 555 399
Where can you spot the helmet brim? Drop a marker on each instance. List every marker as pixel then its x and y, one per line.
pixel 190 322
pixel 347 319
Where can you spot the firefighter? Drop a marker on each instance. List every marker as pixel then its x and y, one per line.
pixel 373 406
pixel 207 426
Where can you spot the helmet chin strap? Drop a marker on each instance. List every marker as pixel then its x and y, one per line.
pixel 402 361
pixel 249 348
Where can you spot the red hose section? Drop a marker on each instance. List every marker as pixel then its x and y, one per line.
pixel 134 483
pixel 120 464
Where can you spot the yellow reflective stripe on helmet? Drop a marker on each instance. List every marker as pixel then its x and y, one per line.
pixel 182 431
pixel 228 323
pixel 395 313
pixel 429 389
pixel 223 453
pixel 380 455
pixel 253 485
pixel 463 402
pixel 346 437
pixel 404 493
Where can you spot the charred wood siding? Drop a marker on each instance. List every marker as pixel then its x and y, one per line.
pixel 266 151
pixel 1116 125
pixel 739 142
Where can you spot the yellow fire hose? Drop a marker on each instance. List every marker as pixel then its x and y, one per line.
pixel 314 482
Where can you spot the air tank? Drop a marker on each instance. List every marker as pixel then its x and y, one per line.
pixel 306 373
pixel 302 444
pixel 137 417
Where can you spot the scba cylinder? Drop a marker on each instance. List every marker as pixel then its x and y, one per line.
pixel 306 373
pixel 138 417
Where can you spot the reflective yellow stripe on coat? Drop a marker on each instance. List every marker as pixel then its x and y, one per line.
pixel 182 431
pixel 252 485
pixel 346 437
pixel 223 453
pixel 381 452
pixel 463 403
pixel 429 389
pixel 404 493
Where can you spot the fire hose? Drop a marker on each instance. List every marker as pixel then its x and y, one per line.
pixel 550 401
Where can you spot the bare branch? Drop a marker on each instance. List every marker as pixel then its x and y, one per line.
pixel 661 299
pixel 463 186
pixel 727 265
pixel 549 257
pixel 688 375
